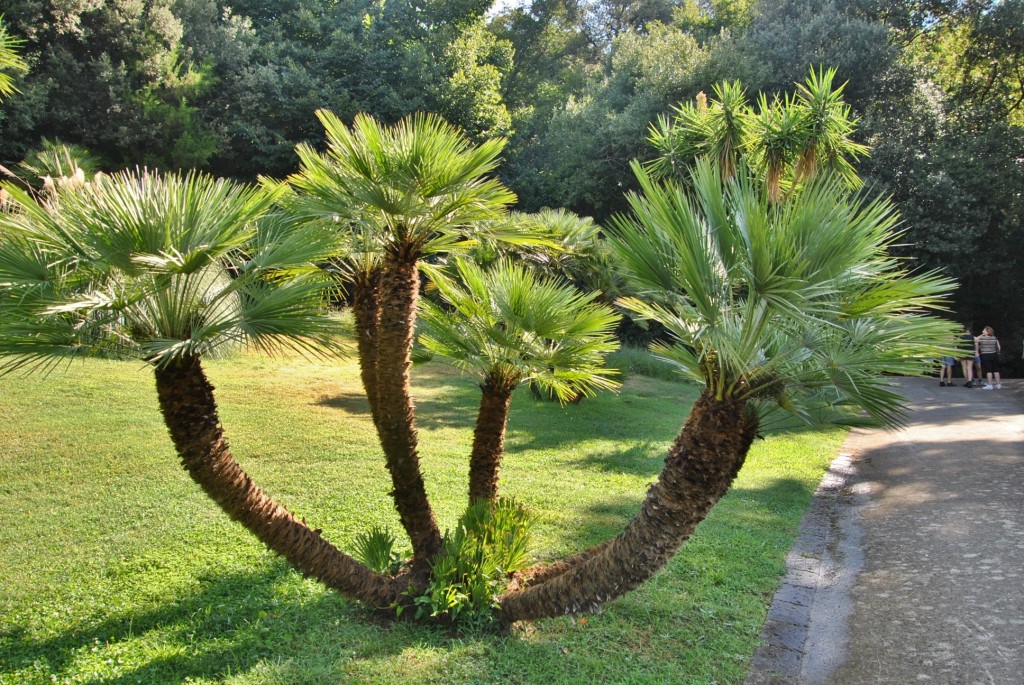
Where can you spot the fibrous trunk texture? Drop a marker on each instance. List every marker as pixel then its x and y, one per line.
pixel 699 469
pixel 394 414
pixel 366 312
pixel 489 440
pixel 190 413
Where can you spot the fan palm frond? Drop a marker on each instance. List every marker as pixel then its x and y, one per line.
pixel 511 324
pixel 10 62
pixel 418 185
pixel 783 304
pixel 158 267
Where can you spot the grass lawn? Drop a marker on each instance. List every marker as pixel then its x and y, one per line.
pixel 115 568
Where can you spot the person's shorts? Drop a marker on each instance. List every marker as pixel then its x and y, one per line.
pixel 947 361
pixel 990 363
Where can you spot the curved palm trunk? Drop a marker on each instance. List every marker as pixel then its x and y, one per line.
pixel 394 416
pixel 489 440
pixel 699 469
pixel 190 413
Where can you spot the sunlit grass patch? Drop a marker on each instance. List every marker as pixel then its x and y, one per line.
pixel 116 568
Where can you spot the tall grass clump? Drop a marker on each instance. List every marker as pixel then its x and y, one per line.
pixel 641 361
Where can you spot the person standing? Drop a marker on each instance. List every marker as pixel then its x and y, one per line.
pixel 988 347
pixel 967 356
pixel 946 372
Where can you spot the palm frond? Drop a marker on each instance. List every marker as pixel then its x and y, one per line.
pixel 509 322
pixel 10 62
pixel 420 184
pixel 159 267
pixel 787 303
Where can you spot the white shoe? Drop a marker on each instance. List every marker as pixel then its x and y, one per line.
pixel 999 386
pixel 988 387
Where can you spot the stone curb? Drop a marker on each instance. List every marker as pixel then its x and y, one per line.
pixel 811 571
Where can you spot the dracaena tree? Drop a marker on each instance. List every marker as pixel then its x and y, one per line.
pixel 169 269
pixel 508 326
pixel 787 141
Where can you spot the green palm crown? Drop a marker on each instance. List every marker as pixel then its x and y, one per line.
pixel 508 326
pixel 159 267
pixel 795 306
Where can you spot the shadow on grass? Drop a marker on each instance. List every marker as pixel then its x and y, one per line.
pixel 742 508
pixel 243 621
pixel 230 625
pixel 643 459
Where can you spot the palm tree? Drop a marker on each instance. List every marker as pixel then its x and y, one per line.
pixel 509 326
pixel 793 307
pixel 56 162
pixel 170 269
pixel 397 194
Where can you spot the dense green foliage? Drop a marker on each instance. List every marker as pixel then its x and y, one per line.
pixel 231 87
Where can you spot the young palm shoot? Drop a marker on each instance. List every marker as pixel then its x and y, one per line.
pixel 170 269
pixel 509 326
pixel 419 187
pixel 794 307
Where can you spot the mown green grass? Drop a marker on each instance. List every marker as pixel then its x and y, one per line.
pixel 115 568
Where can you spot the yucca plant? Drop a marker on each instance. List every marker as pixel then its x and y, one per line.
pixel 787 141
pixel 776 134
pixel 728 117
pixel 170 269
pixel 509 326
pixel 829 123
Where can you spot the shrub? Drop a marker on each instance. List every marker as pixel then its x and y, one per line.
pixel 489 543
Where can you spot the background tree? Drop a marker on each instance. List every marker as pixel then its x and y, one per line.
pixel 107 76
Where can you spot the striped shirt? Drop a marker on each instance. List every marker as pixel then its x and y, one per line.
pixel 987 344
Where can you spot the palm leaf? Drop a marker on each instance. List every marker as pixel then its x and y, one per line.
pixel 787 304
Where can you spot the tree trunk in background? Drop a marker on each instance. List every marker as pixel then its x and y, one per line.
pixel 395 417
pixel 190 413
pixel 489 440
pixel 698 471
